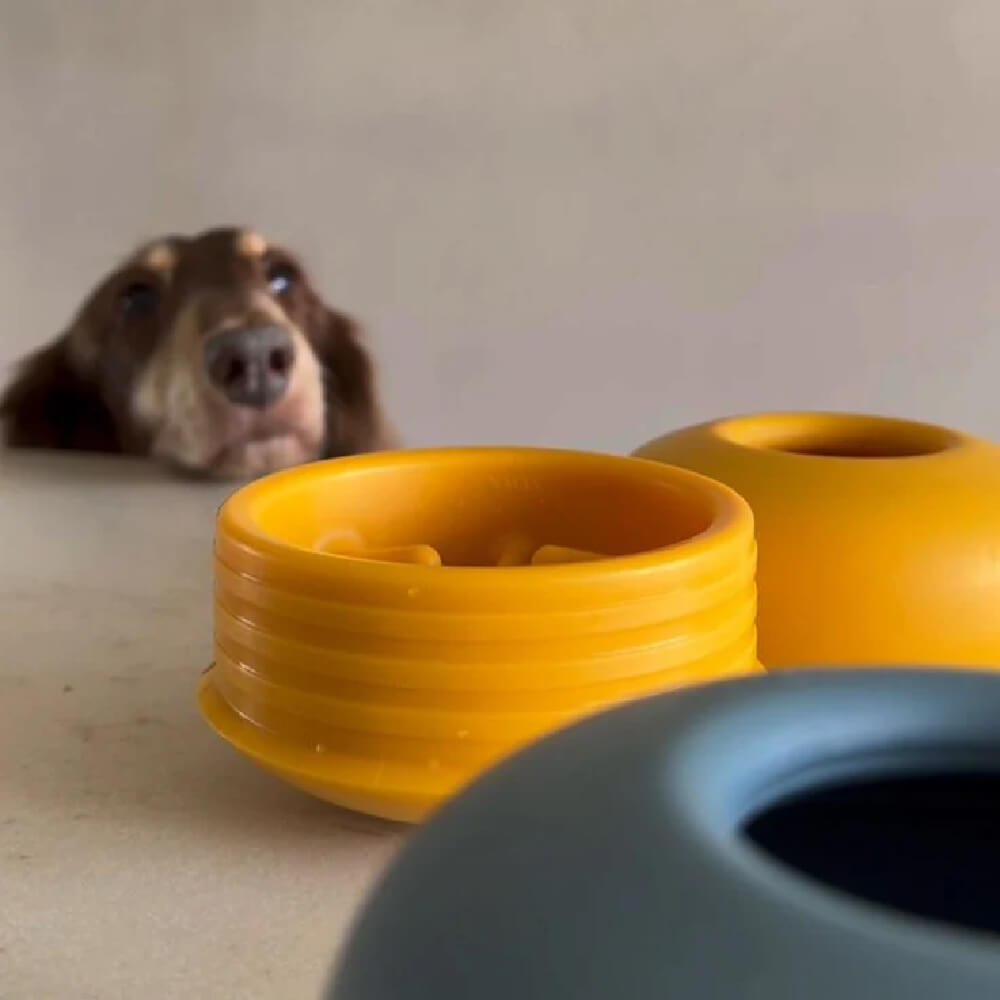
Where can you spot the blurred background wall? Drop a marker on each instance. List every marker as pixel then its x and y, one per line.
pixel 576 222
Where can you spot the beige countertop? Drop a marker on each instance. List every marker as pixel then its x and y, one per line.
pixel 139 855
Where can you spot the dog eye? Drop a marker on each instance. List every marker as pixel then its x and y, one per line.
pixel 280 278
pixel 139 299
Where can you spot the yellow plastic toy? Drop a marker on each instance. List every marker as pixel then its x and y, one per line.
pixel 388 626
pixel 879 538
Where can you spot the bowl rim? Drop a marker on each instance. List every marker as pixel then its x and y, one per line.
pixel 730 519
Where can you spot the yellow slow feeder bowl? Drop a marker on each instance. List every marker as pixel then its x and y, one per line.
pixel 879 538
pixel 388 626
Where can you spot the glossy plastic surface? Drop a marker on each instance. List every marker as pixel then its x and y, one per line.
pixel 879 538
pixel 612 859
pixel 388 626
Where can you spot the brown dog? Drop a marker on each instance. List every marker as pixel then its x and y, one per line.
pixel 212 353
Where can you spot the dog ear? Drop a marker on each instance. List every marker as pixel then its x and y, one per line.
pixel 354 421
pixel 51 404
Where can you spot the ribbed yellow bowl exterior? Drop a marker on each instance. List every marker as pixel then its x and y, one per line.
pixel 385 686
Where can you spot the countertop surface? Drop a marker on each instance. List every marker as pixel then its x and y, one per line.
pixel 139 855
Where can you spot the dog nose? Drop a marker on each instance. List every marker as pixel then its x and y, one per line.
pixel 251 366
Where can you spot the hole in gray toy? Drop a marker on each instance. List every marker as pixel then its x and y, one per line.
pixel 927 845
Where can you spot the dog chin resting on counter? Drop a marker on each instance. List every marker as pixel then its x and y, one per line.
pixel 213 354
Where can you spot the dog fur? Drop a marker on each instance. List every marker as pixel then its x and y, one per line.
pixel 128 374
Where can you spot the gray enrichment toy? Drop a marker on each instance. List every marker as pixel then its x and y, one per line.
pixel 816 835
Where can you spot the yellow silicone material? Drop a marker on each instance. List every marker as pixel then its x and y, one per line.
pixel 388 626
pixel 879 538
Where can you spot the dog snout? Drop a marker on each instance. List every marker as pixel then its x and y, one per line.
pixel 251 367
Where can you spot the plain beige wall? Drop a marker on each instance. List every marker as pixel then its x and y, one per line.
pixel 578 223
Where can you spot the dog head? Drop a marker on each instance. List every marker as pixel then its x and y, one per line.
pixel 213 353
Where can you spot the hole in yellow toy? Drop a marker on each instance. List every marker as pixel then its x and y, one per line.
pixel 838 435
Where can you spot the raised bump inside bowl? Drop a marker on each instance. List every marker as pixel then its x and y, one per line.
pixel 352 544
pixel 555 555
pixel 515 549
